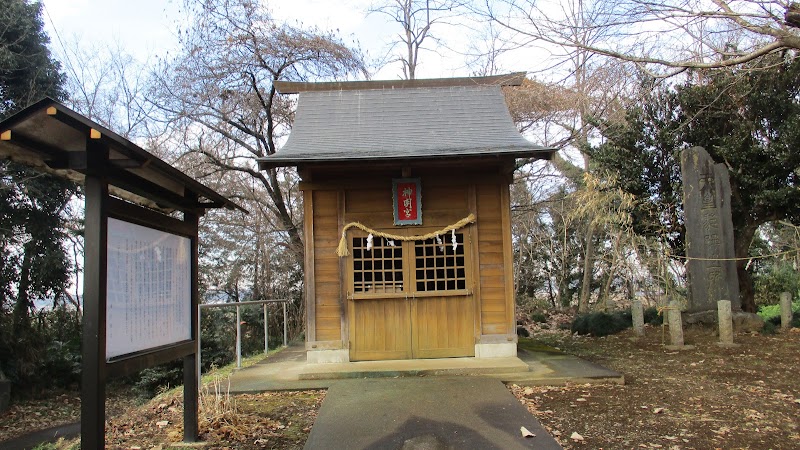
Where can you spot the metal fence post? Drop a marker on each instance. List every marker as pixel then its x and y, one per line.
pixel 199 346
pixel 238 338
pixel 265 305
pixel 285 325
pixel 266 330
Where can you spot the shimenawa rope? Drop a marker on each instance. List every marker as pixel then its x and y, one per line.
pixel 342 250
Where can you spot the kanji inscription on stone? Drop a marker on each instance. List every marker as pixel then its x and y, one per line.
pixel 709 232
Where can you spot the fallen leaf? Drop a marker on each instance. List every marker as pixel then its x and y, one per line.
pixel 580 399
pixel 576 437
pixel 526 433
pixel 722 431
pixel 658 410
pixel 527 391
pixel 162 423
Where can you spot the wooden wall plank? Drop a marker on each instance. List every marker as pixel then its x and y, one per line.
pixel 327 280
pixel 308 267
pixel 492 260
pixel 511 301
pixel 344 280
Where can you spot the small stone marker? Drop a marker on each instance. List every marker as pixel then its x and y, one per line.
pixel 725 324
pixel 786 310
pixel 675 325
pixel 637 311
pixel 709 232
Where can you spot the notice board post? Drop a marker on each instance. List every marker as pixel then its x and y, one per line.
pixel 140 301
pixel 191 381
pixel 141 251
pixel 93 376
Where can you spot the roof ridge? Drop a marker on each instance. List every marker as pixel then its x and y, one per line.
pixel 294 87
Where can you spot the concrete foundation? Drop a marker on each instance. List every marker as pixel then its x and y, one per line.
pixel 498 350
pixel 328 356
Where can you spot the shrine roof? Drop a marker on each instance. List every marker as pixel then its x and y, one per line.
pixel 401 120
pixel 54 139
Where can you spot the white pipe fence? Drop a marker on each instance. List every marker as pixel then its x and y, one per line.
pixel 238 306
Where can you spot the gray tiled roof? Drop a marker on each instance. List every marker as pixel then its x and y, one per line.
pixel 417 122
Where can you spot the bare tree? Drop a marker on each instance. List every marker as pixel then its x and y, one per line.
pixel 107 85
pixel 417 17
pixel 672 34
pixel 562 111
pixel 218 95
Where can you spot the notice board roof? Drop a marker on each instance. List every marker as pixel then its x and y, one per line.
pixel 55 139
pixel 365 121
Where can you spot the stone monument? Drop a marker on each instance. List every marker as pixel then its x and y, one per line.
pixel 709 232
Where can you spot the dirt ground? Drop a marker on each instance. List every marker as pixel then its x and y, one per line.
pixel 708 397
pixel 704 398
pixel 278 420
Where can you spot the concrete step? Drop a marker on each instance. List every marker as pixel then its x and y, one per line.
pixel 414 368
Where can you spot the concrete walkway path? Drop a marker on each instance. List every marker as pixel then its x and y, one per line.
pixel 36 438
pixel 288 370
pixel 432 413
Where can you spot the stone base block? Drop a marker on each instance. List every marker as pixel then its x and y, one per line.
pixel 742 321
pixel 727 345
pixel 498 350
pixel 328 356
pixel 679 347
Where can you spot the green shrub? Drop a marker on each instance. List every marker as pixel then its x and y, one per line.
pixel 652 317
pixel 770 327
pixel 777 278
pixel 776 320
pixel 538 318
pixel 601 323
pixel 767 312
pixel 152 380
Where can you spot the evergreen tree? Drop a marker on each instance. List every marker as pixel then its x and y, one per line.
pixel 27 70
pixel 747 118
pixel 33 261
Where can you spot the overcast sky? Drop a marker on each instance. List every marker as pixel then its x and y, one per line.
pixel 147 28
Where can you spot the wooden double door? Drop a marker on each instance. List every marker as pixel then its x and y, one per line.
pixel 412 327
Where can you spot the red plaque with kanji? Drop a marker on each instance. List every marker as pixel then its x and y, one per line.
pixel 407 197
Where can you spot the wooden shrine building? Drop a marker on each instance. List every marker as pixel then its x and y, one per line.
pixel 408 250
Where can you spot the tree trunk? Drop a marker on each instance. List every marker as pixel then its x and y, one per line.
pixel 742 249
pixel 295 241
pixel 607 285
pixel 22 320
pixel 588 263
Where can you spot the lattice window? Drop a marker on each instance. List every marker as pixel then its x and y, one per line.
pixel 438 266
pixel 378 270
